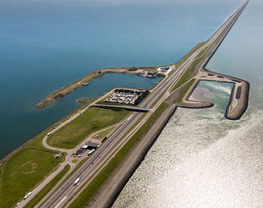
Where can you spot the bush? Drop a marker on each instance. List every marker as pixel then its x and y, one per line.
pixel 133 69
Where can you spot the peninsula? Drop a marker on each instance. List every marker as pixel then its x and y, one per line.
pixel 87 157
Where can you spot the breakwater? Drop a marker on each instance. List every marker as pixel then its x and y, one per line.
pixel 239 98
pixel 118 179
pixel 238 103
pixel 237 106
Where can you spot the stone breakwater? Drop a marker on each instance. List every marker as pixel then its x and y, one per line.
pixel 239 98
pixel 238 103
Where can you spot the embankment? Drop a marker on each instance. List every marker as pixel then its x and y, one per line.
pixel 61 92
pixel 238 103
pixel 118 179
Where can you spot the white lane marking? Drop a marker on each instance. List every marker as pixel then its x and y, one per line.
pixel 61 201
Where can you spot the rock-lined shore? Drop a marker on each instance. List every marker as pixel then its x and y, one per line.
pixel 238 103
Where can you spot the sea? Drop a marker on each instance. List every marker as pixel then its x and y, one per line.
pixel 46 44
pixel 201 159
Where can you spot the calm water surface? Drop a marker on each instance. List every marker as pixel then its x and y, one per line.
pixel 47 44
pixel 202 159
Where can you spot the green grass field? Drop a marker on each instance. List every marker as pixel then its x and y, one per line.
pixel 91 121
pixel 102 134
pixel 97 182
pixel 22 171
pixel 184 91
pixel 189 73
pixel 47 188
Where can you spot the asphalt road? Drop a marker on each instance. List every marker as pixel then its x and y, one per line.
pixel 115 141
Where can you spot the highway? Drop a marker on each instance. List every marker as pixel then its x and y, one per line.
pixel 109 148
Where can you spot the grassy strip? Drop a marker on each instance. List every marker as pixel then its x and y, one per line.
pixel 190 71
pixel 27 166
pixel 75 169
pixel 179 63
pixel 75 161
pixel 81 107
pixel 95 184
pixel 47 188
pixel 199 45
pixel 179 99
pixel 92 120
pixel 135 124
pixel 23 171
pixel 157 99
pixel 102 134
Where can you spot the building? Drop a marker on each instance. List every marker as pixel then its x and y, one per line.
pixel 92 145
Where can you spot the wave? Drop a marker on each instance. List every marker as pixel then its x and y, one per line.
pixel 222 87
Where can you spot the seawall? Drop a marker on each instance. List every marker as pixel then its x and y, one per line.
pixel 239 98
pixel 118 179
pixel 238 103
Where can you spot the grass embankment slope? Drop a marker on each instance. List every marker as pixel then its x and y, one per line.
pixel 185 90
pixel 27 166
pixel 92 120
pixel 25 169
pixel 47 188
pixel 98 181
pixel 190 72
pixel 102 134
pixel 182 60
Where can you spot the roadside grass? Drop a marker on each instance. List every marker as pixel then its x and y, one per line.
pixel 199 45
pixel 179 99
pixel 190 71
pixel 32 155
pixel 102 134
pixel 98 181
pixel 135 124
pixel 81 107
pixel 23 171
pixel 75 169
pixel 47 188
pixel 75 161
pixel 157 100
pixel 92 120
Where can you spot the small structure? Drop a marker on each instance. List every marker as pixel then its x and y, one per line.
pixel 81 150
pixel 85 146
pixel 92 145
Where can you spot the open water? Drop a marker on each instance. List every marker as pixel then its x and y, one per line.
pixel 46 44
pixel 202 159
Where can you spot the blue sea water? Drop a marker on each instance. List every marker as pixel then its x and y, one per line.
pixel 47 44
pixel 202 159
